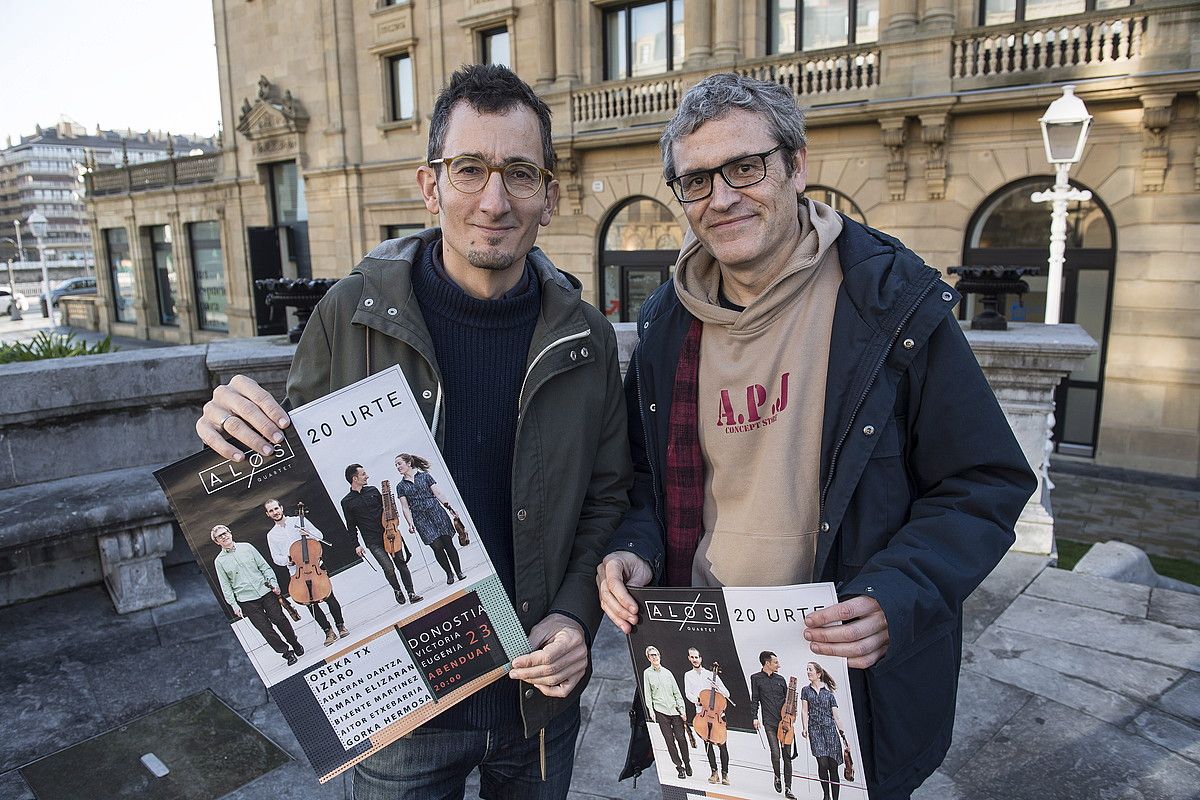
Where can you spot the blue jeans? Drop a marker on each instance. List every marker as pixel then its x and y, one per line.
pixel 433 764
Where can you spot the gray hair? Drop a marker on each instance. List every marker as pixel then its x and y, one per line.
pixel 717 95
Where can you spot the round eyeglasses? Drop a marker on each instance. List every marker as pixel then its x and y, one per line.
pixel 470 174
pixel 739 173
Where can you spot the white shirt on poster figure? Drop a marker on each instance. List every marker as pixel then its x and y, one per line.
pixel 284 532
pixel 697 679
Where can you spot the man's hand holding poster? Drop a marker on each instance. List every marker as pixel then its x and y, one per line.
pixel 769 717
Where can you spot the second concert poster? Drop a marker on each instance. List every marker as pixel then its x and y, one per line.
pixel 736 704
pixel 350 571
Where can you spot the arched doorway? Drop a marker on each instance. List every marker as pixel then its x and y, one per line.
pixel 638 248
pixel 1009 228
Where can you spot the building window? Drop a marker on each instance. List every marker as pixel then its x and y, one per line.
pixel 165 279
pixel 400 231
pixel 400 88
pixel 494 47
pixel 643 39
pixel 120 268
pixel 208 274
pixel 998 12
pixel 821 23
pixel 837 201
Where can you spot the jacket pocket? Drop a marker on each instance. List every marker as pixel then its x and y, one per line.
pixel 881 500
pixel 912 710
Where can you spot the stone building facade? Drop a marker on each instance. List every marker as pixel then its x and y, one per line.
pixel 923 122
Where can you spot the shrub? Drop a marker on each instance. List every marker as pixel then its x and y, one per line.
pixel 51 345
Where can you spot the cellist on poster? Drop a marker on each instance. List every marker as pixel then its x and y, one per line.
pixel 283 533
pixel 696 682
pixel 769 691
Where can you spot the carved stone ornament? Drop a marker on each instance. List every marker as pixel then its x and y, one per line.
pixel 1156 117
pixel 933 134
pixel 895 135
pixel 273 122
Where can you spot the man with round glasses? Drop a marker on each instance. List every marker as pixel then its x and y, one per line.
pixel 518 379
pixel 808 409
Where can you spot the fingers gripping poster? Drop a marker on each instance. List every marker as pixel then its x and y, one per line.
pixel 350 571
pixel 736 704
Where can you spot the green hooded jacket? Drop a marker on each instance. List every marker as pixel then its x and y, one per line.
pixel 571 465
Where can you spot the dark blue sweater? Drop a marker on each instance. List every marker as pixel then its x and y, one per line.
pixel 481 347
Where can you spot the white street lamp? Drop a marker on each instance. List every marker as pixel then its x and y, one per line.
pixel 37 224
pixel 1064 131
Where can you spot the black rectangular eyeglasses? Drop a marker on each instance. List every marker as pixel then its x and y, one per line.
pixel 739 173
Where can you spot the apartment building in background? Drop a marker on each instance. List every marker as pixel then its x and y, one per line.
pixel 923 122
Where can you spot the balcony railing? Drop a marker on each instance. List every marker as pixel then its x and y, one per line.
pixel 1112 40
pixel 611 105
pixel 827 76
pixel 155 175
pixel 816 76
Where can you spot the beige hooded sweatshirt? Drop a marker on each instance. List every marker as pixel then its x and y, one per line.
pixel 761 400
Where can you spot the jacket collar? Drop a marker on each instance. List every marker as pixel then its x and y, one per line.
pixel 387 302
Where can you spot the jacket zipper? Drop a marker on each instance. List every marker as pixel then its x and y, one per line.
pixel 867 389
pixel 637 367
pixel 586 332
pixel 516 437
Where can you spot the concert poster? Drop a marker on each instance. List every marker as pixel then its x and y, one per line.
pixel 729 641
pixel 356 669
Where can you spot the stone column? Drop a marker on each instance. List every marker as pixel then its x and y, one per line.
pixel 938 16
pixel 1024 365
pixel 697 33
pixel 899 18
pixel 565 32
pixel 727 33
pixel 545 23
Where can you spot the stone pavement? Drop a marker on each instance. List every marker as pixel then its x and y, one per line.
pixel 1160 514
pixel 1072 687
pixel 33 322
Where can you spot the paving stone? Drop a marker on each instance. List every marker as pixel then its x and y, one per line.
pixel 14 787
pixel 984 707
pixel 1152 641
pixel 178 670
pixel 50 708
pixel 1082 758
pixel 1071 692
pixel 1175 608
pixel 1087 590
pixel 1139 680
pixel 292 781
pixel 1183 699
pixel 940 786
pixel 1010 577
pixel 604 743
pixel 1167 731
pixel 83 623
pixel 610 653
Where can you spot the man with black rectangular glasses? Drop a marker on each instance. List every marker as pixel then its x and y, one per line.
pixel 804 407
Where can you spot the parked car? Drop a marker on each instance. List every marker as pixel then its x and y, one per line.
pixel 7 297
pixel 72 286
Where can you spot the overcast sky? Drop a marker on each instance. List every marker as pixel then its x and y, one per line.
pixel 140 64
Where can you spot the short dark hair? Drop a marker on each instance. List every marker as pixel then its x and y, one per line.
pixel 764 657
pixel 351 471
pixel 489 89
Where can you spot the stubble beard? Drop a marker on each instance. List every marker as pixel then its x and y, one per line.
pixel 490 258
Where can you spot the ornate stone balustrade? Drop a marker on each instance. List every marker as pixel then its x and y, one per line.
pixel 613 105
pixel 828 75
pixel 1105 42
pixel 155 175
pixel 809 78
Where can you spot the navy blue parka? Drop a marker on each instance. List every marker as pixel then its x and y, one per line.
pixel 922 482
